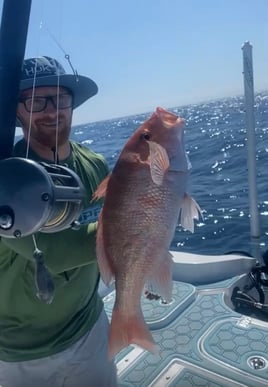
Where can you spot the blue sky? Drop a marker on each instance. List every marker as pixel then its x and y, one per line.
pixel 148 53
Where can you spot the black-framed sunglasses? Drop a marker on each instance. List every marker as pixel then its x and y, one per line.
pixel 38 104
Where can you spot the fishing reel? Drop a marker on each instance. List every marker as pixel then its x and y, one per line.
pixel 37 196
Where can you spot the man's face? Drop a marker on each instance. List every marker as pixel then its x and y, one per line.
pixel 50 126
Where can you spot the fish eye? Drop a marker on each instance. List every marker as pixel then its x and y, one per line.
pixel 145 136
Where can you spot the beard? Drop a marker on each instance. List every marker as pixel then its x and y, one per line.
pixel 51 133
pixel 53 138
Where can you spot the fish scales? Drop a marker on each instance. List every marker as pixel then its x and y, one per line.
pixel 144 195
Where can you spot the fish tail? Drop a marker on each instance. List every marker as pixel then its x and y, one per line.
pixel 125 330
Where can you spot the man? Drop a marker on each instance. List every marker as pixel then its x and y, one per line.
pixel 63 343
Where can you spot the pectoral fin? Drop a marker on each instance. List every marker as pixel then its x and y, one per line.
pixel 159 162
pixel 190 210
pixel 101 190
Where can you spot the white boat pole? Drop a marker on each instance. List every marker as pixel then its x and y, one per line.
pixel 251 147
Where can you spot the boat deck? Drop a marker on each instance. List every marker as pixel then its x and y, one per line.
pixel 201 340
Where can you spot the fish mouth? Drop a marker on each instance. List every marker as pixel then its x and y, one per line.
pixel 180 164
pixel 169 119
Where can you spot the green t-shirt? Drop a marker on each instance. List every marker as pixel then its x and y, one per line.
pixel 29 328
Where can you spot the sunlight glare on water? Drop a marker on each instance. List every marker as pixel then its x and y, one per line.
pixel 215 139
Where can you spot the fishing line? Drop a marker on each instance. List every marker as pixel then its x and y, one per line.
pixel 33 90
pixel 66 56
pixel 57 122
pixel 31 112
pixel 44 27
pixel 58 88
pixel 34 82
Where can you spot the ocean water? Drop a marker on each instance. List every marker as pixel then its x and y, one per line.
pixel 216 142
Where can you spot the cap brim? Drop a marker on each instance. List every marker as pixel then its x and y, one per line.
pixel 81 87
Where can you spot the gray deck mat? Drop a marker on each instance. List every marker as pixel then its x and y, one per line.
pixel 201 341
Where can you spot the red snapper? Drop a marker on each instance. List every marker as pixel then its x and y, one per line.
pixel 145 196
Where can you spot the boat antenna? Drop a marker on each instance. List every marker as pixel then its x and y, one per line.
pixel 251 148
pixel 13 36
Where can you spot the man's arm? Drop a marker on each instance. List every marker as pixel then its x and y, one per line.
pixel 62 251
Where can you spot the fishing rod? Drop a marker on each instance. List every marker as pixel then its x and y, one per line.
pixel 34 196
pixel 13 36
pixel 51 194
pixel 251 148
pixel 241 299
